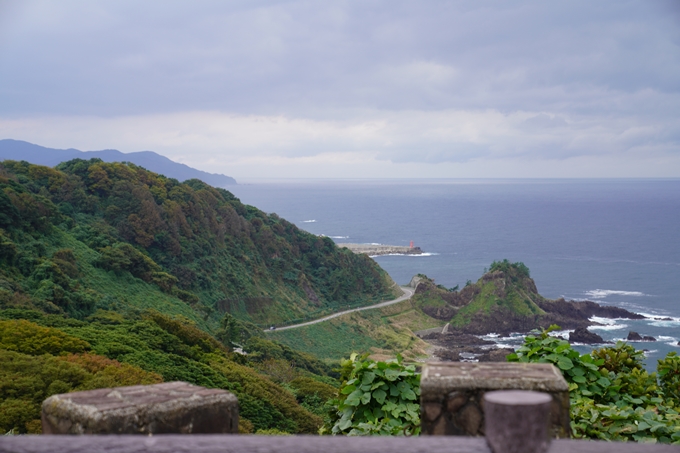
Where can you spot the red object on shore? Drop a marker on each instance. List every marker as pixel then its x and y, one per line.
pixel 411 245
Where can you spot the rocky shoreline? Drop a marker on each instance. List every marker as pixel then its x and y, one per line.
pixel 465 344
pixel 505 303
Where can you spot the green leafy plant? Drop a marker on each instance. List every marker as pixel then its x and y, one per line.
pixel 376 398
pixel 612 396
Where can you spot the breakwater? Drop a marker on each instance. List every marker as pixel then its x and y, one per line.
pixel 380 249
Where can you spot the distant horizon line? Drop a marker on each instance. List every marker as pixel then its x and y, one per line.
pixel 245 180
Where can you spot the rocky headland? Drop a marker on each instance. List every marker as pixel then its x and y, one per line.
pixel 504 300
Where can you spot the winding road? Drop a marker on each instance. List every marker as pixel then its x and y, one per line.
pixel 408 293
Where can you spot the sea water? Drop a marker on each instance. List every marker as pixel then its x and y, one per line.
pixel 615 242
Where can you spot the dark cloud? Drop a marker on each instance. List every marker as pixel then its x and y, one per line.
pixel 130 57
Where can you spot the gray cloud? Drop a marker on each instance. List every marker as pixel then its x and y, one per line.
pixel 570 78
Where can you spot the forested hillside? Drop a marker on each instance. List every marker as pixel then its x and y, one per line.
pixel 112 275
pixel 93 235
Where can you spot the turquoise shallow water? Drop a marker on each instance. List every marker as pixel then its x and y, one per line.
pixel 611 241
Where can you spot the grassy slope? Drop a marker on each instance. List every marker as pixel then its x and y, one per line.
pixel 381 332
pixel 515 299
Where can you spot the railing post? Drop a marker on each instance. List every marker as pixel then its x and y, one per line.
pixel 452 394
pixel 171 407
pixel 517 421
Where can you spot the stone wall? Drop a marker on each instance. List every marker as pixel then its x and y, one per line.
pixel 451 394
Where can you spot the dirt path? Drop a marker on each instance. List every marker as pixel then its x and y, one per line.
pixel 408 293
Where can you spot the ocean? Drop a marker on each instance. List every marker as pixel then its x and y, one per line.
pixel 615 242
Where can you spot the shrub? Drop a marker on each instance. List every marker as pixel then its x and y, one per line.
pixel 376 398
pixel 612 397
pixel 29 338
pixel 26 380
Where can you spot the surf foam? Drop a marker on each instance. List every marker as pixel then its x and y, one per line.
pixel 602 293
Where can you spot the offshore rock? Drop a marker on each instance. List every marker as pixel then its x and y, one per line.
pixel 634 336
pixel 583 335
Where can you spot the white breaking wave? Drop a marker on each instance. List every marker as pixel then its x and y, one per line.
pixel 602 293
pixel 609 324
pixel 339 237
pixel 308 221
pixel 609 327
pixel 670 341
pixel 560 333
pixel 608 321
pixel 672 323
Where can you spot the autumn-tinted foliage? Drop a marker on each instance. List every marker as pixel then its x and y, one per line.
pixel 108 350
pixel 35 363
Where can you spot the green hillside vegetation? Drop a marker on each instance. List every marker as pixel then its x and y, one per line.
pixel 108 349
pixel 507 289
pixel 382 333
pixel 112 275
pixel 504 299
pixel 612 396
pixel 91 235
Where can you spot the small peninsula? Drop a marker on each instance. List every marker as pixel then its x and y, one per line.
pixel 381 249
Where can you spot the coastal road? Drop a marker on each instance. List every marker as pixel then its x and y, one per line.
pixel 408 293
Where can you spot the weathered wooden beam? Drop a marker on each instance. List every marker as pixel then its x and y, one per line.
pixel 217 443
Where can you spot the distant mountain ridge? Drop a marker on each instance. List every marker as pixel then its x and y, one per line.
pixel 40 155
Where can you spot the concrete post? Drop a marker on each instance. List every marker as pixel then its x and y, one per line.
pixel 171 407
pixel 452 393
pixel 517 421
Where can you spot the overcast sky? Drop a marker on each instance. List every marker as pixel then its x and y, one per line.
pixel 352 89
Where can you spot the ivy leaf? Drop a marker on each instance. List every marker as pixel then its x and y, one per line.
pixel 348 389
pixel 565 363
pixel 577 371
pixel 604 382
pixel 366 398
pixel 354 398
pixel 344 424
pixel 368 378
pixel 408 394
pixel 379 396
pixel 391 374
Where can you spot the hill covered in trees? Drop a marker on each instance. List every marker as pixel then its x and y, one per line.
pixel 90 235
pixel 114 275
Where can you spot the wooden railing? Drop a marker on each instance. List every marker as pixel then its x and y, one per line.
pixel 200 443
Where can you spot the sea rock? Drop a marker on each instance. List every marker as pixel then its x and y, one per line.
pixel 496 355
pixel 634 336
pixel 585 309
pixel 583 335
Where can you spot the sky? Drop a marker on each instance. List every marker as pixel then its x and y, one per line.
pixel 352 89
